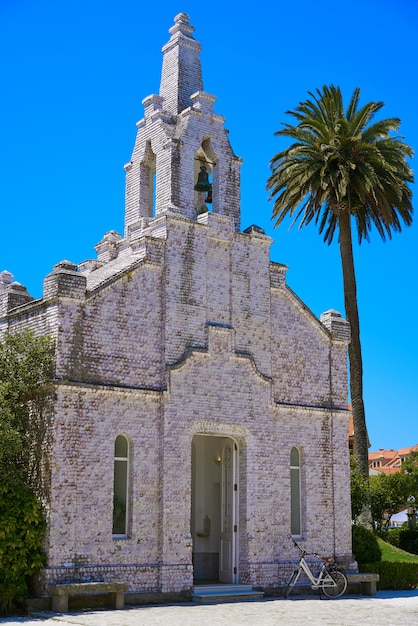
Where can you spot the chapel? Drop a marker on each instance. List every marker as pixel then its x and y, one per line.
pixel 200 417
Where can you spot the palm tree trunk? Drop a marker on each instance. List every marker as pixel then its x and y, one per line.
pixel 361 450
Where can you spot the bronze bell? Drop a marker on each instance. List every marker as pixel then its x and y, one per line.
pixel 203 184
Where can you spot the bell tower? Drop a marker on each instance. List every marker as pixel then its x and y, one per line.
pixel 182 161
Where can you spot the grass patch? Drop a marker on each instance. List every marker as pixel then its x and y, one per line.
pixel 391 554
pixel 397 569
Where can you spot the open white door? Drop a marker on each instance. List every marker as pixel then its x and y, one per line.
pixel 229 529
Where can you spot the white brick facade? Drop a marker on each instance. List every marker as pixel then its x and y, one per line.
pixel 184 337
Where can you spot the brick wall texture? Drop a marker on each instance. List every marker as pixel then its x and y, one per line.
pixel 184 327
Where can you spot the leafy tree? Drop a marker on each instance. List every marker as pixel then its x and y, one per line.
pixel 410 466
pixel 342 169
pixel 26 369
pixel 388 494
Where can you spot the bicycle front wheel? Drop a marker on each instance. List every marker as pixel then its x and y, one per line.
pixel 337 590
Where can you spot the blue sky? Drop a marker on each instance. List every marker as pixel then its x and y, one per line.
pixel 73 75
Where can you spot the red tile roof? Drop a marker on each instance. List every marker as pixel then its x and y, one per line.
pixel 390 461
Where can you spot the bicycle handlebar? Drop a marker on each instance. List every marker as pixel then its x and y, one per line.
pixel 298 547
pixel 304 553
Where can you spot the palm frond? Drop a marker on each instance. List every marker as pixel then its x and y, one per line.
pixel 342 161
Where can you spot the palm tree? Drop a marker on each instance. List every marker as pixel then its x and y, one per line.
pixel 342 169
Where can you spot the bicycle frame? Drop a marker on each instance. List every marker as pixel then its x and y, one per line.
pixel 323 580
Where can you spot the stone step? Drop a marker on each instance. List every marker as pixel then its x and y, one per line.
pixel 225 593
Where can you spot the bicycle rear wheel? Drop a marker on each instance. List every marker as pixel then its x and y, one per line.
pixel 291 583
pixel 336 591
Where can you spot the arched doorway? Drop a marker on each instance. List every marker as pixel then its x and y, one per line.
pixel 214 514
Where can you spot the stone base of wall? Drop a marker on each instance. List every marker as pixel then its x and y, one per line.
pixel 141 578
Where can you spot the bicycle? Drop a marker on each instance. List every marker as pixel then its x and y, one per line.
pixel 331 581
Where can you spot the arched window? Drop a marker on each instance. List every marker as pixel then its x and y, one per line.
pixel 120 487
pixel 295 493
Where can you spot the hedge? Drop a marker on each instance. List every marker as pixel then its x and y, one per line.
pixel 408 541
pixel 393 575
pixel 391 536
pixel 402 538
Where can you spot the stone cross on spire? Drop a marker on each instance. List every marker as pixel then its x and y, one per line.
pixel 181 74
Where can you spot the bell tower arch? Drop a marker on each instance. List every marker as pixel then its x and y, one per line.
pixel 206 177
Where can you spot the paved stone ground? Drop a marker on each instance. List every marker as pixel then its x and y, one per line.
pixel 397 608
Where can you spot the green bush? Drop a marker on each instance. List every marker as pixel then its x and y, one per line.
pixel 393 575
pixel 391 536
pixel 402 538
pixel 21 529
pixel 365 545
pixel 408 540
